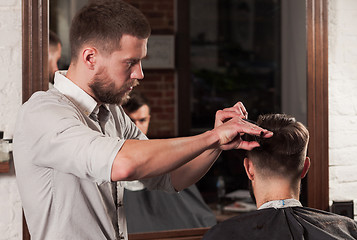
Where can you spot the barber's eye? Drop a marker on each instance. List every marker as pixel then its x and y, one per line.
pixel 142 120
pixel 132 63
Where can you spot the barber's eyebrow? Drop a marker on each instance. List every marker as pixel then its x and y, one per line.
pixel 136 58
pixel 131 60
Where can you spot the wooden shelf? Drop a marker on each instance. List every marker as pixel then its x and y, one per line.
pixel 4 167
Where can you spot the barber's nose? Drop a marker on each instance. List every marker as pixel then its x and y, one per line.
pixel 137 72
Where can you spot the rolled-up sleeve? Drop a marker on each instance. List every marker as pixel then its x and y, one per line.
pixel 55 135
pixel 82 152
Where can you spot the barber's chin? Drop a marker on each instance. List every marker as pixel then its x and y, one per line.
pixel 128 90
pixel 125 99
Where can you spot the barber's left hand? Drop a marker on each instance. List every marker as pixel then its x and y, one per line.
pixel 230 132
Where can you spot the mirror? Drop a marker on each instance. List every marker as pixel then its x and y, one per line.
pixel 316 89
pixel 244 50
pixel 35 44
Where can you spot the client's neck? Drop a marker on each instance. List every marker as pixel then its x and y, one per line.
pixel 274 189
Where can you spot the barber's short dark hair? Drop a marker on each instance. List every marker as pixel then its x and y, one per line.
pixel 103 23
pixel 284 153
pixel 135 102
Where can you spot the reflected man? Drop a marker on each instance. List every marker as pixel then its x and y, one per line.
pixel 158 210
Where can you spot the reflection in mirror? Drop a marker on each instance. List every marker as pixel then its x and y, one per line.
pixel 150 211
pixel 61 15
pixel 249 51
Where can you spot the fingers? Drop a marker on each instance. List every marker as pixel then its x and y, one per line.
pixel 231 131
pixel 266 134
pixel 253 129
pixel 225 115
pixel 242 109
pixel 238 143
pixel 238 110
pixel 247 145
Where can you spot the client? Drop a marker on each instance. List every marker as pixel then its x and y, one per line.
pixel 275 170
pixel 159 210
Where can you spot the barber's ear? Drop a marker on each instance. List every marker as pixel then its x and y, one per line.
pixel 89 57
pixel 306 167
pixel 249 168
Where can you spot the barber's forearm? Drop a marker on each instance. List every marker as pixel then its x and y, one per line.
pixel 139 159
pixel 194 170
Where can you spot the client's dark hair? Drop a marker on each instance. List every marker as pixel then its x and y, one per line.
pixel 135 102
pixel 285 152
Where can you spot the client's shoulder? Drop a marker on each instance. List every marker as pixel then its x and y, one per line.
pixel 323 217
pixel 244 226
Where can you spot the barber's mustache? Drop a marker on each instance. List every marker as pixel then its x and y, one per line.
pixel 132 83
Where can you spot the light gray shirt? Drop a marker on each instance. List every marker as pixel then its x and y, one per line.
pixel 63 160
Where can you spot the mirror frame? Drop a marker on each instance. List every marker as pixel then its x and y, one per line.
pixel 317 103
pixel 35 77
pixel 34 56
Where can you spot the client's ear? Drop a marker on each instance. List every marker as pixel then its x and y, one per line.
pixel 306 167
pixel 249 168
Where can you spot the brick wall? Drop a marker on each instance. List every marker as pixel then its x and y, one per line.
pixel 159 85
pixel 159 88
pixel 160 14
pixel 343 100
pixel 10 101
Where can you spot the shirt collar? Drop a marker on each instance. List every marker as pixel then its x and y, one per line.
pixel 77 95
pixel 281 204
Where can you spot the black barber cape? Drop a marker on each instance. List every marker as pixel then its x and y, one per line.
pixel 285 223
pixel 148 211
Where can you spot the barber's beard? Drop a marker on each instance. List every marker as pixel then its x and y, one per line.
pixel 251 191
pixel 104 89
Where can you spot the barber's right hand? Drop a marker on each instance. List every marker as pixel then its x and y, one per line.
pixel 230 132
